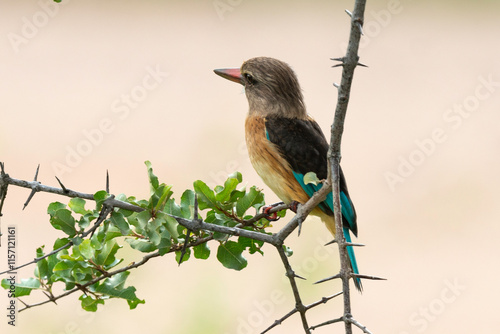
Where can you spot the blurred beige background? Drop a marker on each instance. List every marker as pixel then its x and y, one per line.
pixel 420 151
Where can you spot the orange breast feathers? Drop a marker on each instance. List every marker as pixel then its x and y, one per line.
pixel 267 161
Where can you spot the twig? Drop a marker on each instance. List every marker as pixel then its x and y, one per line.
pixel 360 326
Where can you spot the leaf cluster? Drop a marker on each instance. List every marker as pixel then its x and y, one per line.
pixel 88 256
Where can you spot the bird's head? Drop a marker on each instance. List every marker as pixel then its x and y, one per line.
pixel 271 87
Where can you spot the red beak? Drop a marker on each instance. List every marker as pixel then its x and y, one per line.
pixel 232 74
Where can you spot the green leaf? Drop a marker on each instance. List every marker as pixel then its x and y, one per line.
pixel 252 245
pixel 173 208
pixel 187 204
pixel 77 205
pixel 42 266
pixel 86 249
pixel 62 270
pixel 201 251
pixel 60 242
pixel 143 218
pixel 171 226
pixel 106 256
pixel 253 198
pixel 119 221
pixel 153 230
pixel 206 196
pixel 112 232
pixel 89 303
pixel 141 245
pixel 230 255
pixel 99 198
pixel 186 256
pixel 84 221
pixel 76 241
pixel 165 243
pixel 153 180
pixel 63 220
pixel 165 196
pixel 22 288
pixel 230 185
pixel 218 219
pixel 114 287
pixel 288 251
pixel 54 206
pixel 311 177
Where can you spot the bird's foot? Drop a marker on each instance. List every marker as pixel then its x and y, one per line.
pixel 294 206
pixel 272 217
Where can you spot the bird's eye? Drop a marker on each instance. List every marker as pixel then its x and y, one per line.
pixel 249 78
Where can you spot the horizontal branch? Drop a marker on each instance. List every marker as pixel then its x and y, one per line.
pixel 37 186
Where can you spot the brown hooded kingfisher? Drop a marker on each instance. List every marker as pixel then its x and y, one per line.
pixel 285 143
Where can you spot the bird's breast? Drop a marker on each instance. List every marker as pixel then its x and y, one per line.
pixel 268 162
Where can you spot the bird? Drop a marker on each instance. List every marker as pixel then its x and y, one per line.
pixel 285 143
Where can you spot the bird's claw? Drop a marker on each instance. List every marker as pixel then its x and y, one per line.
pixel 272 217
pixel 294 206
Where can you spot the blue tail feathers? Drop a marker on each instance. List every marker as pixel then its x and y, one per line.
pixel 348 213
pixel 352 257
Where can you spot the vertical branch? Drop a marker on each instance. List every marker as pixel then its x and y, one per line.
pixel 348 63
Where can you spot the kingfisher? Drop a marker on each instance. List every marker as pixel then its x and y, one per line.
pixel 285 143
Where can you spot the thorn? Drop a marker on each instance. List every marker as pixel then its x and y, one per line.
pixel 327 279
pixel 34 189
pixel 354 244
pixel 360 28
pixel 195 207
pixel 26 305
pixel 325 299
pixel 348 12
pixel 62 185
pixel 300 228
pixel 336 85
pixel 375 278
pixel 341 59
pixel 107 181
pixel 298 276
pixel 331 242
pixel 184 247
pixel 2 166
pixel 36 173
pixel 33 192
pixel 362 65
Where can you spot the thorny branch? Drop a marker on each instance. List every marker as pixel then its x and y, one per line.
pixel 348 63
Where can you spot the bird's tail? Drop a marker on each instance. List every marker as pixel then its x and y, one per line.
pixel 352 257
